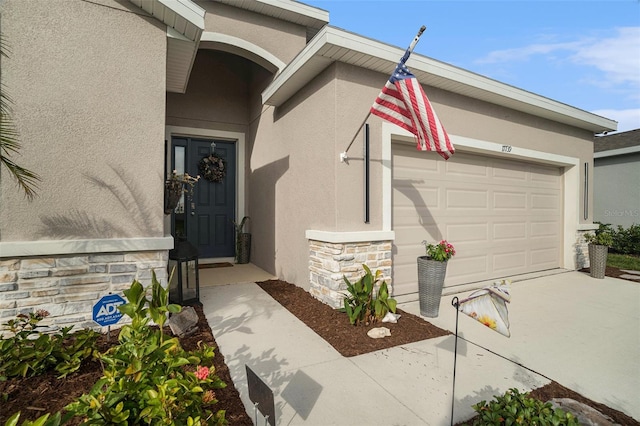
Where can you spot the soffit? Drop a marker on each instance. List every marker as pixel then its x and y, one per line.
pixel 185 24
pixel 335 45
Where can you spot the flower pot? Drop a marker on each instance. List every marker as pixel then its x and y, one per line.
pixel 597 260
pixel 243 248
pixel 172 195
pixel 430 282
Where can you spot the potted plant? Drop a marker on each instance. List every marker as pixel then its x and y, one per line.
pixel 175 186
pixel 431 272
pixel 599 243
pixel 243 242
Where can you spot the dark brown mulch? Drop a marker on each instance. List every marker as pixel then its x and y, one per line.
pixel 35 396
pixel 611 272
pixel 334 327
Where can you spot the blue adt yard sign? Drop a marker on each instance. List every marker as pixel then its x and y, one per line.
pixel 105 311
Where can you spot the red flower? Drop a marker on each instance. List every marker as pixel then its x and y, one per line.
pixel 202 372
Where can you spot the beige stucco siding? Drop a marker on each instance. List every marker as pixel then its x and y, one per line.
pixel 87 81
pixel 293 178
pixel 309 136
pixel 282 39
pixel 217 96
pixel 616 193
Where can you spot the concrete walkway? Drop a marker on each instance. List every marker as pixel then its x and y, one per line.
pixel 579 331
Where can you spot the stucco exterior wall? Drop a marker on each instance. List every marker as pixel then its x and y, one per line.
pixel 461 116
pixel 616 190
pixel 293 179
pixel 308 188
pixel 217 96
pixel 283 39
pixel 88 84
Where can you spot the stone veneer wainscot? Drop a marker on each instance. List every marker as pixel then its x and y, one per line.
pixel 68 286
pixel 330 261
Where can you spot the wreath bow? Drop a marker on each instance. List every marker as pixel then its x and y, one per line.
pixel 213 168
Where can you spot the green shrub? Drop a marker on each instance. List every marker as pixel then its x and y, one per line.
pixel 29 352
pixel 44 420
pixel 360 305
pixel 627 241
pixel 515 408
pixel 148 378
pixel 623 241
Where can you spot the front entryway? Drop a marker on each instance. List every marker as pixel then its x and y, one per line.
pixel 207 219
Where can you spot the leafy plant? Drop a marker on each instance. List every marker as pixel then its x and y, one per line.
pixel 600 238
pixel 29 352
pixel 44 420
pixel 627 241
pixel 148 378
pixel 10 143
pixel 441 252
pixel 364 305
pixel 515 408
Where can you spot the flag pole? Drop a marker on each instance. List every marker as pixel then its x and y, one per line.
pixel 343 155
pixel 456 304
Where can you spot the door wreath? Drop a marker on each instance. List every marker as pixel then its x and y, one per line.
pixel 212 168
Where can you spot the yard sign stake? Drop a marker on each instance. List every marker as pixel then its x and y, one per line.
pixel 487 306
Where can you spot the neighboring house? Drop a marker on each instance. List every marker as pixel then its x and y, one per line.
pixel 109 95
pixel 616 178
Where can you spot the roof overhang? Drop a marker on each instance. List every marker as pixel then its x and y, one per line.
pixel 335 45
pixel 616 152
pixel 310 17
pixel 185 23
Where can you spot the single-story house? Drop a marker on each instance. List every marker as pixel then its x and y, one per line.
pixel 110 95
pixel 616 178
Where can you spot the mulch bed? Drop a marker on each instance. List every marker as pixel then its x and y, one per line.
pixel 334 327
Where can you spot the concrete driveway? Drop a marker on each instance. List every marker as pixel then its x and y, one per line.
pixel 579 331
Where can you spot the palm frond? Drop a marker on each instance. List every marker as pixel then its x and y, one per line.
pixel 9 142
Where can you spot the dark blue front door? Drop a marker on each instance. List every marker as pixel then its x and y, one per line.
pixel 208 217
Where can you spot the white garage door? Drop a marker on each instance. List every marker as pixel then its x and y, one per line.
pixel 504 217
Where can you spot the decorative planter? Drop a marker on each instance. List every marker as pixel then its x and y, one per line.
pixel 430 282
pixel 598 260
pixel 172 195
pixel 243 247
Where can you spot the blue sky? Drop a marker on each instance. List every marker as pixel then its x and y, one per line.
pixel 579 52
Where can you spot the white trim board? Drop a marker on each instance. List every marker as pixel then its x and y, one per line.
pixel 12 249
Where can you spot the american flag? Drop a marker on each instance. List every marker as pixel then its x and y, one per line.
pixel 402 101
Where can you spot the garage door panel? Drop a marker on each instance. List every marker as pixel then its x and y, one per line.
pixel 505 232
pixel 544 229
pixel 504 217
pixel 467 199
pixel 471 232
pixel 509 200
pixel 545 202
pixel 509 173
pixel 467 169
pixel 468 269
pixel 545 258
pixel 508 263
